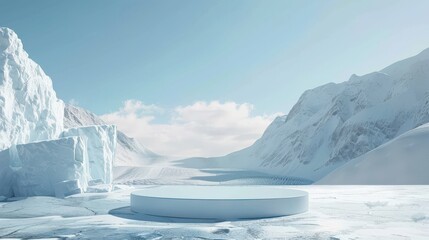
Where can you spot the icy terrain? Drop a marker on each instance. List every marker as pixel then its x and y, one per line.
pixel 335 123
pixel 336 212
pixel 38 168
pixel 34 158
pixel 403 160
pixel 101 145
pixel 29 108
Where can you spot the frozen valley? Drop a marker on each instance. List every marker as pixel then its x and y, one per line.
pixel 345 133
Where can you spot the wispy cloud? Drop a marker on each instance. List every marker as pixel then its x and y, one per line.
pixel 200 129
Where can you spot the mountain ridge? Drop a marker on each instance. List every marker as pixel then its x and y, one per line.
pixel 337 122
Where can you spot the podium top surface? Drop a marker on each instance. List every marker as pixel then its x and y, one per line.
pixel 190 192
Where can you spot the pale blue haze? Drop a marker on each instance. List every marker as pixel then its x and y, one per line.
pixel 171 53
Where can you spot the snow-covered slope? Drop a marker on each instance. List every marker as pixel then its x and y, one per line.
pixel 29 108
pixel 403 160
pixel 335 123
pixel 129 152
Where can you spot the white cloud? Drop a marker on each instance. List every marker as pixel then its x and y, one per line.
pixel 201 129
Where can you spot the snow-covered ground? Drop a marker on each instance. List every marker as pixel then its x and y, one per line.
pixel 336 212
pixel 168 174
pixel 403 160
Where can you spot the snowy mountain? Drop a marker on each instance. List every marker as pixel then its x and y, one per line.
pixel 29 108
pixel 403 160
pixel 334 123
pixel 129 152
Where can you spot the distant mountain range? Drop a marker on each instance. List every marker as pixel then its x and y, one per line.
pixel 335 123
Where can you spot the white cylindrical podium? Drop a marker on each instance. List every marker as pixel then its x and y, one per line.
pixel 219 202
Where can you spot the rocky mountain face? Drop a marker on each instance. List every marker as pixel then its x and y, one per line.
pixel 334 123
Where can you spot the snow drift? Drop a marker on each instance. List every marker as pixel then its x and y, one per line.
pixel 403 160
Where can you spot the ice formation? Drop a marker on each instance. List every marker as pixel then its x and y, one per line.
pixel 101 144
pixel 29 108
pixel 35 160
pixel 6 178
pixel 36 168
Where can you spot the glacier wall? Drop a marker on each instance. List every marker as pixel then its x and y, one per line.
pixel 6 175
pixel 34 160
pixel 101 144
pixel 29 108
pixel 35 169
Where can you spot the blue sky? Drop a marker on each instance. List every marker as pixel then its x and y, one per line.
pixel 243 61
pixel 171 53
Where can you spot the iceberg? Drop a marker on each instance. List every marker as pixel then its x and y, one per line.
pixel 39 157
pixel 101 144
pixel 35 169
pixel 6 173
pixel 29 108
pixel 67 188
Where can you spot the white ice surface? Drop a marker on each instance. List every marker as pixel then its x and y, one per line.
pixel 36 168
pixel 101 146
pixel 29 108
pixel 166 174
pixel 6 178
pixel 336 212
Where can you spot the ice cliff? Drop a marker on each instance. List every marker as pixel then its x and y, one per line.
pixel 39 166
pixel 38 156
pixel 29 108
pixel 101 144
